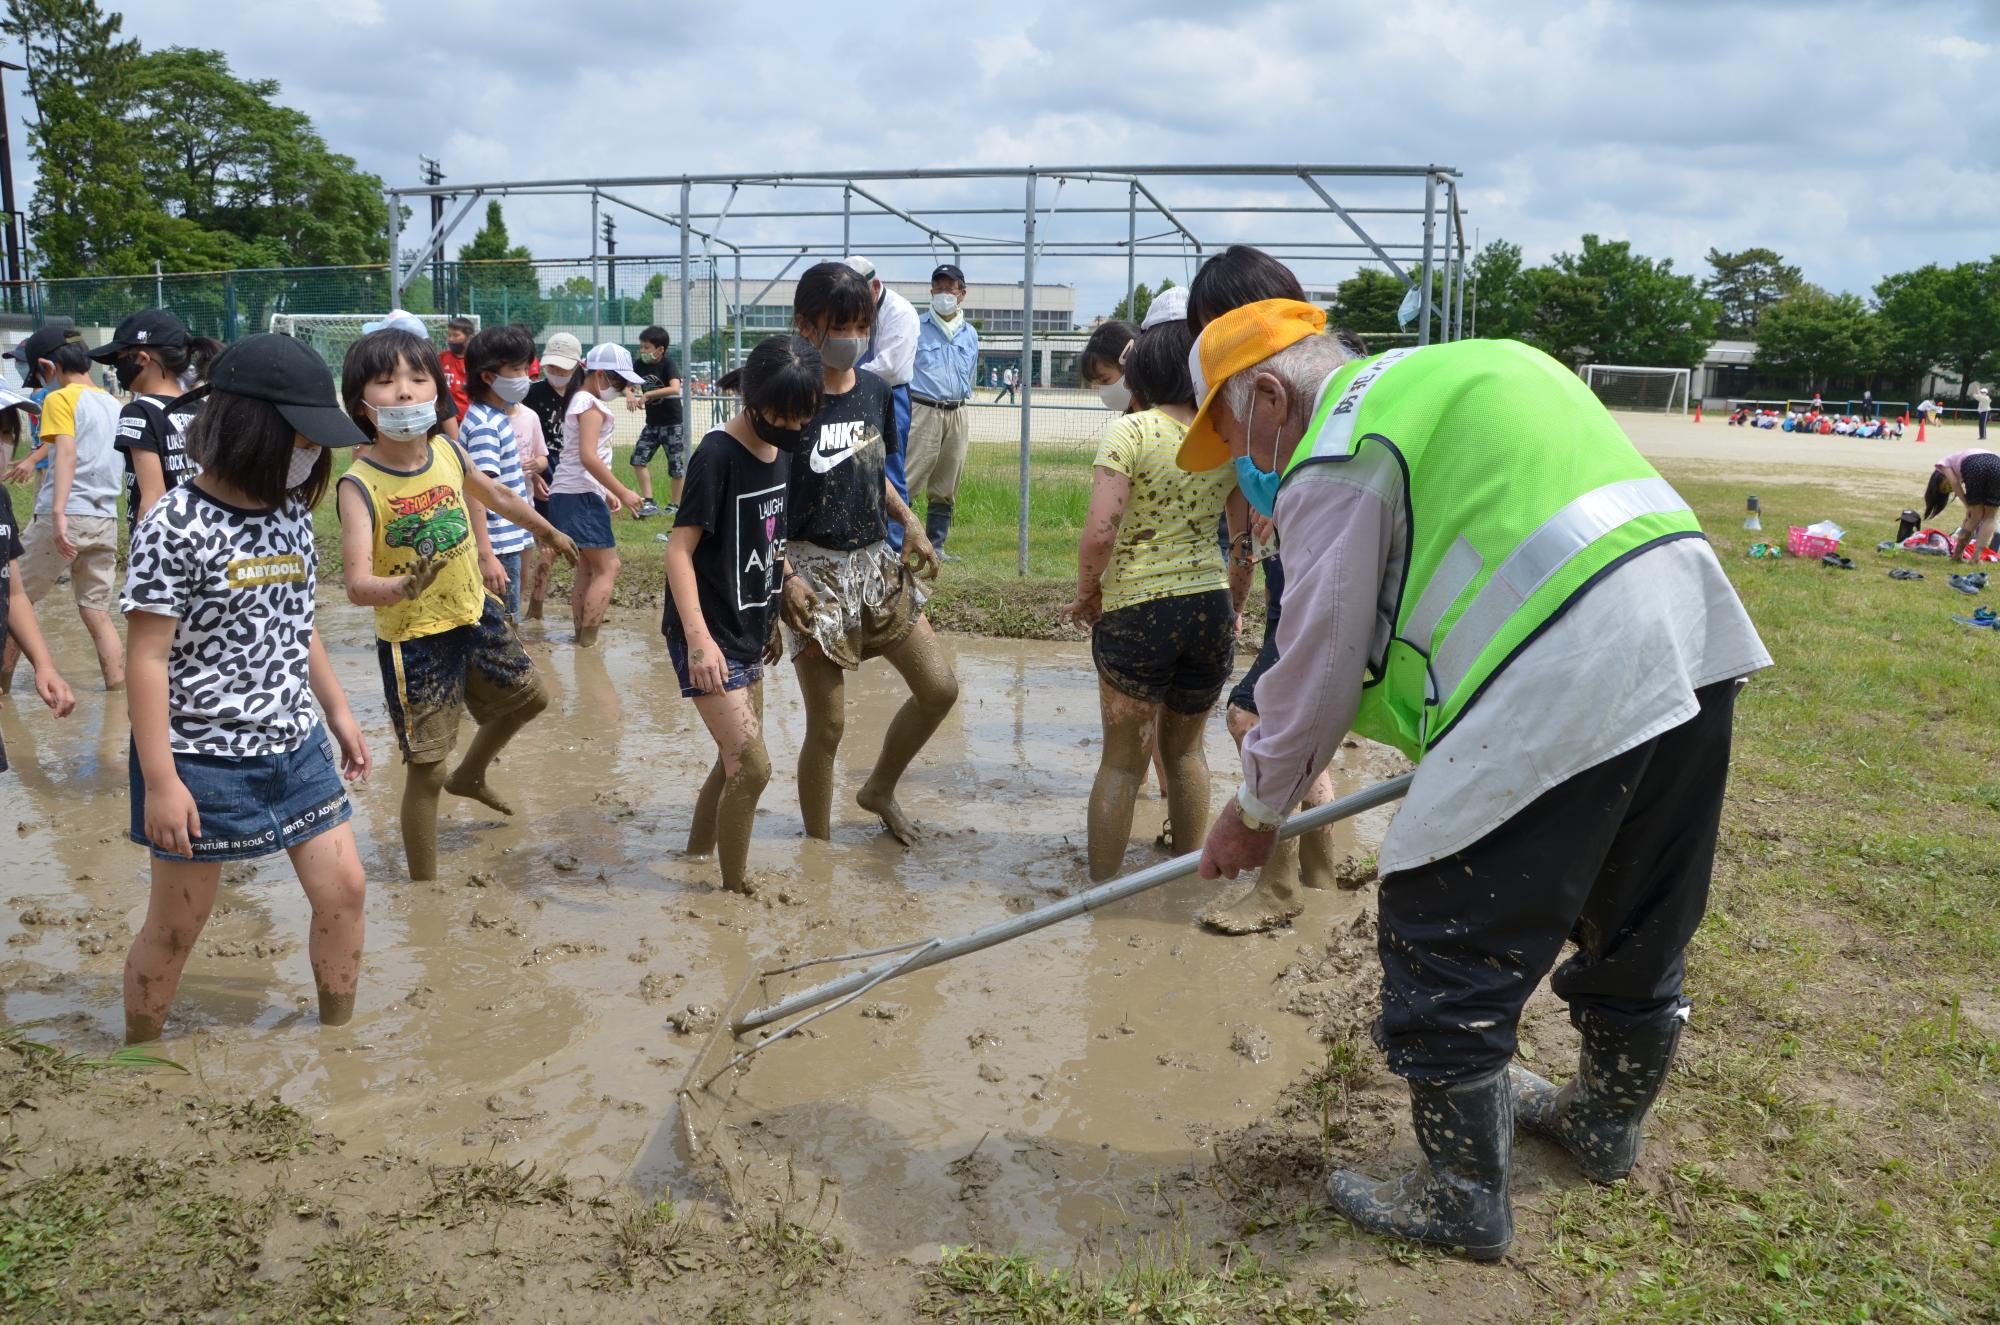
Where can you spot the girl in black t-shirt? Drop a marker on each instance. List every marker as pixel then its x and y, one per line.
pixel 725 572
pixel 849 596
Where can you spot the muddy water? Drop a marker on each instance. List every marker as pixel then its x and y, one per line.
pixel 524 1005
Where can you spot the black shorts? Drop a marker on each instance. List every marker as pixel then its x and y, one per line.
pixel 1243 695
pixel 1172 651
pixel 1981 476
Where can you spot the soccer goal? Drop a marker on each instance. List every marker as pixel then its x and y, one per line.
pixel 332 333
pixel 1622 386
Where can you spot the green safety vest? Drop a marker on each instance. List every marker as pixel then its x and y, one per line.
pixel 1519 492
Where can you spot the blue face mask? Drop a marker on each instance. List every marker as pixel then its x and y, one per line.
pixel 1259 486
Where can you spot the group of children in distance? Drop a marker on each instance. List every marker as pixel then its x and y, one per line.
pixel 1815 421
pixel 241 733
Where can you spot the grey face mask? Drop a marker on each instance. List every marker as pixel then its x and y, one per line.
pixel 841 353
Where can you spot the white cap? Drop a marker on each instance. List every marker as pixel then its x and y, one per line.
pixel 860 264
pixel 609 358
pixel 1167 306
pixel 562 352
pixel 401 320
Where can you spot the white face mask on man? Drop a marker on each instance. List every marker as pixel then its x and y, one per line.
pixel 945 305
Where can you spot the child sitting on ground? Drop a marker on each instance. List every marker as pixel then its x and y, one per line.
pixel 229 760
pixel 444 643
pixel 725 575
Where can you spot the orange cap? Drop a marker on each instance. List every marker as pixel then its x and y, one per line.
pixel 1239 339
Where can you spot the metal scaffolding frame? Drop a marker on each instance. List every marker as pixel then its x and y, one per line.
pixel 1439 262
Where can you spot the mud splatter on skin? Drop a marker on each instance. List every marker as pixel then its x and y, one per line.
pixel 725 809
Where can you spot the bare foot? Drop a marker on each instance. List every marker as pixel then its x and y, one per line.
pixel 458 784
pixel 534 609
pixel 884 807
pixel 1253 913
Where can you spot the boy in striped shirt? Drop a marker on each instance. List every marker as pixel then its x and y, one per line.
pixel 496 380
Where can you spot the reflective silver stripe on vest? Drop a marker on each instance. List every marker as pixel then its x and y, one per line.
pixel 1460 567
pixel 1336 435
pixel 1543 553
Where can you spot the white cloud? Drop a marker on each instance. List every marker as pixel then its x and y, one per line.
pixel 1956 47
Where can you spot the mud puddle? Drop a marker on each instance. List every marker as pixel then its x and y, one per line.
pixel 530 1004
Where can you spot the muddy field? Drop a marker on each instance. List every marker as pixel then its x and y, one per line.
pixel 542 1001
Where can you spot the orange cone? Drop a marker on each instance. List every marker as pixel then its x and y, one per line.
pixel 1697 411
pixel 1920 427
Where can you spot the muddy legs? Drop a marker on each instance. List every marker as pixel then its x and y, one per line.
pixel 1121 770
pixel 183 895
pixel 469 778
pixel 727 806
pixel 933 690
pixel 329 870
pixel 421 785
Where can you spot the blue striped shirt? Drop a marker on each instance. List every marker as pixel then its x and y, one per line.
pixel 488 438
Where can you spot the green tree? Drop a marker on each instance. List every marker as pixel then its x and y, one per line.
pixel 498 276
pixel 1816 336
pixel 1744 284
pixel 1939 317
pixel 1367 301
pixel 90 210
pixel 1500 302
pixel 1133 307
pixel 1618 306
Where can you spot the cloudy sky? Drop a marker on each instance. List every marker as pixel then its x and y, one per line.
pixel 1857 138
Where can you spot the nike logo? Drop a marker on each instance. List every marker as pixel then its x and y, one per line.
pixel 837 444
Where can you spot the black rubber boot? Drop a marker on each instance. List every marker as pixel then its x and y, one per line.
pixel 937 523
pixel 1457 1197
pixel 1598 1115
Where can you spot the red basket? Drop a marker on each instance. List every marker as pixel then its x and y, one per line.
pixel 1800 543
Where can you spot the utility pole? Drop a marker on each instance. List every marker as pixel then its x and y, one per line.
pixel 14 221
pixel 434 175
pixel 611 270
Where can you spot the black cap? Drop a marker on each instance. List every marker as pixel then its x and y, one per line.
pixel 142 330
pixel 42 342
pixel 948 272
pixel 286 373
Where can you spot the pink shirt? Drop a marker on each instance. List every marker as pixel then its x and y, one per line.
pixel 528 434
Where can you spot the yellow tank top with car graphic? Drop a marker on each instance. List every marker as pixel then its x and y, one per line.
pixel 422 514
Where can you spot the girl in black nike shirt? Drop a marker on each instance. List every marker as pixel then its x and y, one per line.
pixel 849 596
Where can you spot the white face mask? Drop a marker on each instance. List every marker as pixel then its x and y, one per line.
pixel 511 390
pixel 611 390
pixel 560 381
pixel 405 421
pixel 301 468
pixel 1117 397
pixel 945 305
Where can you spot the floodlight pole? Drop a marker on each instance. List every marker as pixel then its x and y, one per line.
pixel 1027 364
pixel 1132 251
pixel 596 312
pixel 1430 232
pixel 687 347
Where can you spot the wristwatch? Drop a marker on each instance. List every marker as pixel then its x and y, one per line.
pixel 1253 819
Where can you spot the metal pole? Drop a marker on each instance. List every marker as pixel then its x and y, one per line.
pixel 1430 232
pixel 1131 252
pixel 687 348
pixel 13 217
pixel 735 320
pixel 395 242
pixel 1027 365
pixel 846 222
pixel 1445 331
pixel 596 310
pixel 1460 319
pixel 1013 927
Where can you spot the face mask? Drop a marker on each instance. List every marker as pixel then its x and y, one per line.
pixel 511 390
pixel 785 439
pixel 405 421
pixel 1260 487
pixel 126 370
pixel 1117 397
pixel 649 358
pixel 560 381
pixel 841 353
pixel 944 305
pixel 301 467
pixel 611 390
pixel 455 347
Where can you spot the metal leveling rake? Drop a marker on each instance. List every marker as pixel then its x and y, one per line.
pixel 710 1083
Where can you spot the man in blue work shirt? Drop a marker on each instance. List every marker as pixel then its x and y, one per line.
pixel 947 357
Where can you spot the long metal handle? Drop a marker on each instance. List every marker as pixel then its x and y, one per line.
pixel 1346 807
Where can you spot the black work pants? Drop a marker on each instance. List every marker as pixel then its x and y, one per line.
pixel 1616 859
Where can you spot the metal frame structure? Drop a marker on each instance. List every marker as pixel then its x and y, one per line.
pixel 1441 308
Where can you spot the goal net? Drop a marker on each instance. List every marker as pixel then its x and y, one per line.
pixel 332 333
pixel 1621 386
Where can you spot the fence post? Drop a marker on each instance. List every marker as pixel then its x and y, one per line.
pixel 1027 364
pixel 229 307
pixel 1430 237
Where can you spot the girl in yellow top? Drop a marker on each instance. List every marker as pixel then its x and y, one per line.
pixel 1161 601
pixel 409 512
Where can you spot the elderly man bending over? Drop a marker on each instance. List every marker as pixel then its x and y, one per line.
pixel 1482 572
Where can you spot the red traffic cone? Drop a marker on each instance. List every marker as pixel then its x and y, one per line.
pixel 1697 411
pixel 1920 427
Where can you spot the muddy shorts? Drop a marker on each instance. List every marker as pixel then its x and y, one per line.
pixel 94 573
pixel 1177 651
pixel 429 681
pixel 742 675
pixel 868 601
pixel 253 805
pixel 661 437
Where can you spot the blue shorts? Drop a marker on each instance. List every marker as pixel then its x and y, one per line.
pixel 512 561
pixel 584 516
pixel 742 675
pixel 254 805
